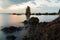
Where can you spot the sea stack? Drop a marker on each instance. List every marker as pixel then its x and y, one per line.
pixel 28 13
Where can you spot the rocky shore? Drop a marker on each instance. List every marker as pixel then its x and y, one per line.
pixel 38 31
pixel 44 31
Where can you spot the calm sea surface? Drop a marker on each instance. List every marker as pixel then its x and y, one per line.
pixel 16 20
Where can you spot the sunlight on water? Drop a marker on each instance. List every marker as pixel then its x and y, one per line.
pixel 16 20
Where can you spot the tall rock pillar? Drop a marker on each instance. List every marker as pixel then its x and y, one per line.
pixel 28 13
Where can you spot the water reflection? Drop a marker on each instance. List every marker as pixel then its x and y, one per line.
pixel 1 20
pixel 16 20
pixel 5 19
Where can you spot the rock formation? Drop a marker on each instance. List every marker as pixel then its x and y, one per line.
pixel 28 13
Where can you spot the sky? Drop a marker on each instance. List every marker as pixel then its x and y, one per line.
pixel 19 6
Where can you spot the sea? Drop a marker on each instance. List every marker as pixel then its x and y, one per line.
pixel 7 20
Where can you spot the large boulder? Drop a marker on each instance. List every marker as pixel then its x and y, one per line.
pixel 34 21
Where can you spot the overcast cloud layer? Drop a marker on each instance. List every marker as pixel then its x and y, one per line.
pixel 19 6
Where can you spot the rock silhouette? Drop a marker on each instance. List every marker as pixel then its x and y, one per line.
pixel 10 37
pixel 11 29
pixel 44 31
pixel 33 20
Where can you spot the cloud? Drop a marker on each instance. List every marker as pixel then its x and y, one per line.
pixel 7 3
pixel 22 6
pixel 36 5
pixel 50 3
pixel 18 1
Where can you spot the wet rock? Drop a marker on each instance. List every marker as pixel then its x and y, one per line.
pixel 10 37
pixel 11 29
